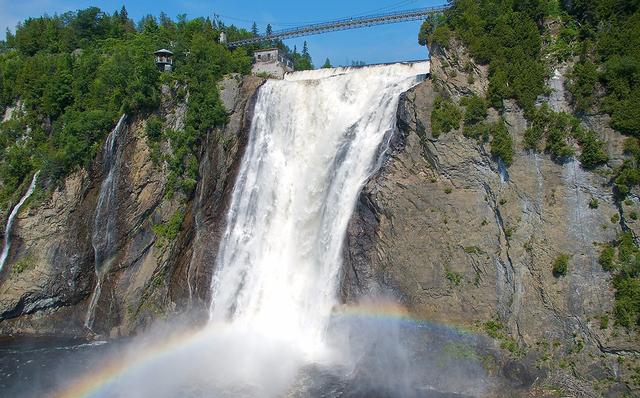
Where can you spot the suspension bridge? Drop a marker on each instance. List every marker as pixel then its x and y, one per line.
pixel 343 24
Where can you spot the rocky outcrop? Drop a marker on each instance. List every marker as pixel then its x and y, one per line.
pixel 50 280
pixel 461 240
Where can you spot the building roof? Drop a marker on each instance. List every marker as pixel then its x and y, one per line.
pixel 163 51
pixel 267 49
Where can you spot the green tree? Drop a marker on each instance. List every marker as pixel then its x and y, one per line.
pixel 583 84
pixel 148 24
pixel 476 109
pixel 327 64
pixel 302 61
pixel 593 150
pixel 445 117
pixel 57 94
pixel 72 99
pixel 502 143
pixel 425 30
pixel 124 15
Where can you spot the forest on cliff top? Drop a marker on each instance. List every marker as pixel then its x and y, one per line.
pixel 75 74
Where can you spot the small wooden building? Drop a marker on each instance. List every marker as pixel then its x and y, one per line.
pixel 164 59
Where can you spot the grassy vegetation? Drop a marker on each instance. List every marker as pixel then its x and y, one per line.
pixel 170 229
pixel 497 330
pixel 473 250
pixel 508 37
pixel 607 257
pixel 627 175
pixel 610 34
pixel 556 131
pixel 474 118
pixel 453 277
pixel 561 265
pixel 24 264
pixel 604 322
pixel 480 131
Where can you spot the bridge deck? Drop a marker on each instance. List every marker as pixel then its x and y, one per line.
pixel 344 24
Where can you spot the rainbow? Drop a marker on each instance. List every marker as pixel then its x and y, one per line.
pixel 389 310
pixel 93 383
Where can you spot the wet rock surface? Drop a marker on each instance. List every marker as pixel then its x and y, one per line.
pixel 461 240
pixel 50 291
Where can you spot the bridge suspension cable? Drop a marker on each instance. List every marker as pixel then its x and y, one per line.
pixel 343 24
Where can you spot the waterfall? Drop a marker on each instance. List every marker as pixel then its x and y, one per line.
pixel 314 141
pixel 12 216
pixel 103 237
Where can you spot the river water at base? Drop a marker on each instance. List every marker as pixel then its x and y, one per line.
pixel 393 359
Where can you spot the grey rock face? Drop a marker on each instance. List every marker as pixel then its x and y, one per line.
pixel 146 277
pixel 460 240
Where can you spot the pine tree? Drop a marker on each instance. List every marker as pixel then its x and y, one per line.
pixel 124 15
pixel 305 49
pixel 269 30
pixel 254 29
pixel 165 21
pixel 10 39
pixel 425 30
pixel 327 64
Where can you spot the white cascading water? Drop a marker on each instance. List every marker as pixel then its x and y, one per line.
pixel 103 237
pixel 276 329
pixel 314 141
pixel 12 216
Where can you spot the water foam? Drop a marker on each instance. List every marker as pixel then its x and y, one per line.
pixel 314 141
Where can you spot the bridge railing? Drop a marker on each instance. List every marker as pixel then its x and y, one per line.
pixel 343 24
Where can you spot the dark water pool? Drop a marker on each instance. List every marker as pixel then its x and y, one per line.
pixel 432 362
pixel 37 367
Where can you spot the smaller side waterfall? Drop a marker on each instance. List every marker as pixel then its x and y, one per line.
pixel 12 216
pixel 103 237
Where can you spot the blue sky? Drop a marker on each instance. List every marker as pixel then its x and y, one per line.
pixel 386 43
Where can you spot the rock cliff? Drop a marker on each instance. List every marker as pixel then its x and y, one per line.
pixel 462 240
pixel 51 281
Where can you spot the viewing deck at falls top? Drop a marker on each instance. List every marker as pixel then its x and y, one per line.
pixel 344 24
